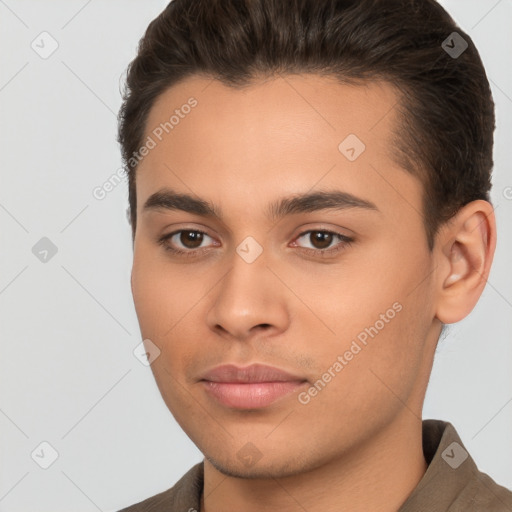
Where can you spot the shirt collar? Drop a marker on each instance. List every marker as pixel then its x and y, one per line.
pixel 450 468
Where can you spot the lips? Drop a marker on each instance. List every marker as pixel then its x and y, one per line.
pixel 252 373
pixel 250 387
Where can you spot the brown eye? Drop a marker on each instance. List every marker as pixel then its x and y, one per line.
pixel 184 242
pixel 321 239
pixel 322 242
pixel 191 239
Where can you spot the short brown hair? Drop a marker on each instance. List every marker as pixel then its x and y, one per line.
pixel 446 110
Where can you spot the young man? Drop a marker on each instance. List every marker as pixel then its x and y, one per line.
pixel 309 197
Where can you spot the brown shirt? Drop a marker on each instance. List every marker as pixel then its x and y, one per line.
pixel 452 482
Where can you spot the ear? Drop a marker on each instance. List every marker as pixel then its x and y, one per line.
pixel 465 249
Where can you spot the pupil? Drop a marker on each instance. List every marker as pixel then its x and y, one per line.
pixel 191 239
pixel 324 239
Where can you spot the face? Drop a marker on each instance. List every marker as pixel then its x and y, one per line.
pixel 335 289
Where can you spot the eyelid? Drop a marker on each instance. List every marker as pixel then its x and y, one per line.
pixel 335 230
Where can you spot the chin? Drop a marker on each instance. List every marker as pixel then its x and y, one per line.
pixel 260 470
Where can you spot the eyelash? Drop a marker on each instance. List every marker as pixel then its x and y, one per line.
pixel 345 242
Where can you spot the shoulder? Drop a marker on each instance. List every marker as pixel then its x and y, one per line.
pixel 453 482
pixel 184 496
pixel 483 493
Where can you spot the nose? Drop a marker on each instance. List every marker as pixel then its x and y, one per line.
pixel 248 301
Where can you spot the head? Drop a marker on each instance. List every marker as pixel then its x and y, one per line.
pixel 328 164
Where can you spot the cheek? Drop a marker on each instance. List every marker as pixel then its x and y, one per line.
pixel 168 302
pixel 162 300
pixel 345 298
pixel 369 379
pixel 380 315
pixel 161 295
pixel 149 302
pixel 152 292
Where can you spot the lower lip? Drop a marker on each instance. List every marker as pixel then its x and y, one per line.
pixel 251 395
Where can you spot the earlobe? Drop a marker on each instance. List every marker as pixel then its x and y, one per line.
pixel 469 241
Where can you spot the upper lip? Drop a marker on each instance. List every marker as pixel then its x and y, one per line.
pixel 252 373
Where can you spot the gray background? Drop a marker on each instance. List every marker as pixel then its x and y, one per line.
pixel 68 373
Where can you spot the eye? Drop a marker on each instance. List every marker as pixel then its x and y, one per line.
pixel 321 240
pixel 185 241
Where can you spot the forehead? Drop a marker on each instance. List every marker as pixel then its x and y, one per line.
pixel 291 107
pixel 284 134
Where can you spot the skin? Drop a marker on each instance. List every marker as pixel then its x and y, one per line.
pixel 357 444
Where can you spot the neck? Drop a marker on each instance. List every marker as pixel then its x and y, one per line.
pixel 377 476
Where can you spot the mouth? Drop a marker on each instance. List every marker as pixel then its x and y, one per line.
pixel 252 387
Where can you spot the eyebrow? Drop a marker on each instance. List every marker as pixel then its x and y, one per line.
pixel 168 199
